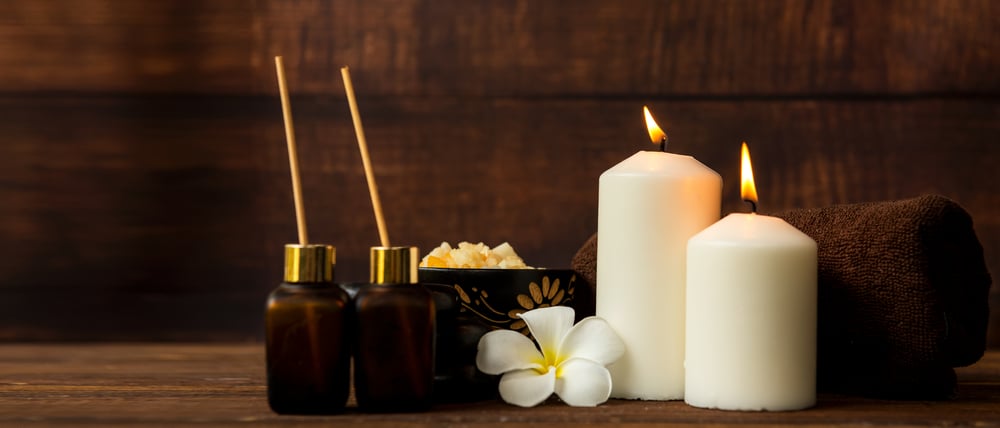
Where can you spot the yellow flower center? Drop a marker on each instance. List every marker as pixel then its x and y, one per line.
pixel 547 369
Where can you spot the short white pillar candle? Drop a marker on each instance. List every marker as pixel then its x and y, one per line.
pixel 751 315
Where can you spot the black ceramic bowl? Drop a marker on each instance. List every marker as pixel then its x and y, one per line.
pixel 497 296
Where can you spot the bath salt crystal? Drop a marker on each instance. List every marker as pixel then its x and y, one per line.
pixel 473 256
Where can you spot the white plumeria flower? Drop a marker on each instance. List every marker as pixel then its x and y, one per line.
pixel 571 362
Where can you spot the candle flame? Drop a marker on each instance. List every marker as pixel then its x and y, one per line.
pixel 655 133
pixel 748 191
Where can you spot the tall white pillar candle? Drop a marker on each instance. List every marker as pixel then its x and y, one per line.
pixel 649 205
pixel 751 316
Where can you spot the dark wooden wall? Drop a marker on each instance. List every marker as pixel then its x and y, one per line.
pixel 144 190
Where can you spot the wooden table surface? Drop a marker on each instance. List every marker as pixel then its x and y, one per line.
pixel 223 385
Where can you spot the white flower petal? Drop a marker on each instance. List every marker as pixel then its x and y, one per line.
pixel 527 388
pixel 594 339
pixel 583 383
pixel 548 326
pixel 505 350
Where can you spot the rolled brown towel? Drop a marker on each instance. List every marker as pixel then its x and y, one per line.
pixel 903 295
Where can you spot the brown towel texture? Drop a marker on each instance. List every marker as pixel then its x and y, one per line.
pixel 903 295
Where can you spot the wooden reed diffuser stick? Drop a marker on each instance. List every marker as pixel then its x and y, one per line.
pixel 293 158
pixel 300 212
pixel 383 234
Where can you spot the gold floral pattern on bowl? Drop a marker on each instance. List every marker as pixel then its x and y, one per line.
pixel 541 297
pixel 497 297
pixel 547 294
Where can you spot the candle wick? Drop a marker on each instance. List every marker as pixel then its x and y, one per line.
pixel 753 205
pixel 663 144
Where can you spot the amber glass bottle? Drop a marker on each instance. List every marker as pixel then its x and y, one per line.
pixel 394 336
pixel 308 335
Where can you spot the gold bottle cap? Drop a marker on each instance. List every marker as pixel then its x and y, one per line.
pixel 394 265
pixel 309 263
